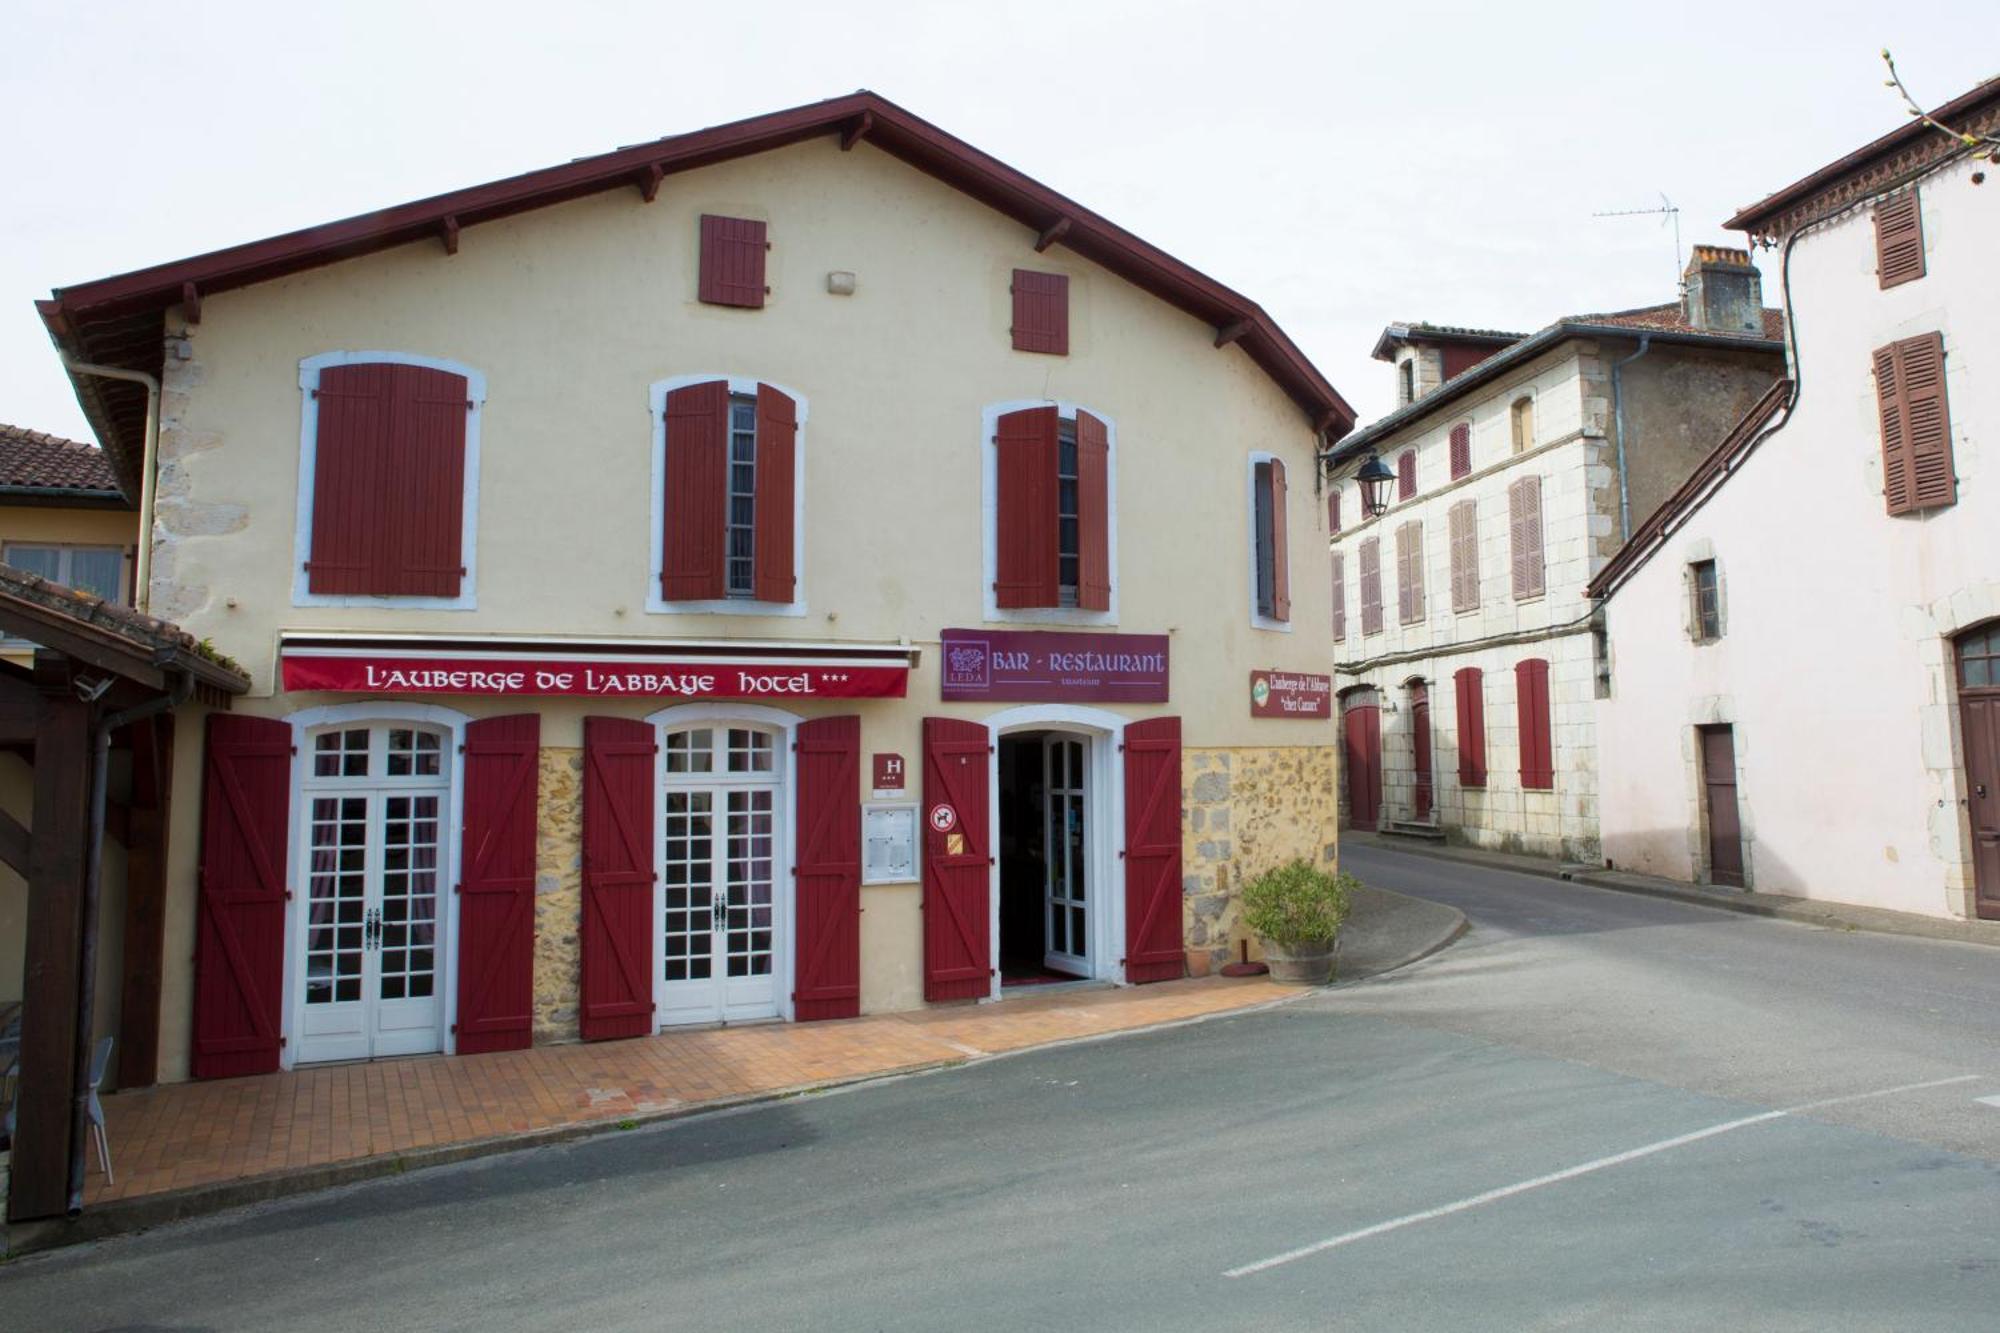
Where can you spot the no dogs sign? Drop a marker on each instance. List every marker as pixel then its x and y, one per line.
pixel 943 818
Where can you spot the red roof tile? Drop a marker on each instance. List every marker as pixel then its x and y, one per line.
pixel 1672 318
pixel 37 461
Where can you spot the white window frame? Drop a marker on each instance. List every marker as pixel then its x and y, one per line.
pixel 475 389
pixel 656 398
pixel 989 517
pixel 1257 618
pixel 124 594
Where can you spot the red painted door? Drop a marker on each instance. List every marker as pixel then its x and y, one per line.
pixel 1420 743
pixel 828 980
pixel 618 876
pixel 496 891
pixel 1981 713
pixel 1153 949
pixel 957 858
pixel 1363 726
pixel 239 949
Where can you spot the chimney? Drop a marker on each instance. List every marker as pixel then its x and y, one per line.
pixel 1722 291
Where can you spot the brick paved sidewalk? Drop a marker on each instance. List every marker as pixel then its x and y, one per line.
pixel 195 1134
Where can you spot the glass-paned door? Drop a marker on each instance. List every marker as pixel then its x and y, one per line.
pixel 1065 854
pixel 718 874
pixel 370 969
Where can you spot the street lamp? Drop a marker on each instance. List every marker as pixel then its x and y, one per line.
pixel 1375 479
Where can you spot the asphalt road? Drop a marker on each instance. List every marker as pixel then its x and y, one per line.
pixel 1595 1111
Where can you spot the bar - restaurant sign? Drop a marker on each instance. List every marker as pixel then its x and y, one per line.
pixel 651 678
pixel 1290 694
pixel 1045 666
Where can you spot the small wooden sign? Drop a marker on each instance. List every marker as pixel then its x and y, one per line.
pixel 1290 694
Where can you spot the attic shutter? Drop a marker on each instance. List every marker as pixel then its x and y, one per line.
pixel 1899 239
pixel 1281 573
pixel 1531 695
pixel 1028 505
pixel 1461 450
pixel 732 261
pixel 1410 573
pixel 697 493
pixel 957 958
pixel 1333 510
pixel 496 892
pixel 1524 513
pixel 1093 513
pixel 1153 850
pixel 1041 312
pixel 239 943
pixel 1918 470
pixel 1371 586
pixel 1339 596
pixel 1406 474
pixel 777 439
pixel 1470 686
pixel 1464 519
pixel 828 978
pixel 618 927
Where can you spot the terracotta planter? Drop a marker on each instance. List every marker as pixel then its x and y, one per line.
pixel 1300 964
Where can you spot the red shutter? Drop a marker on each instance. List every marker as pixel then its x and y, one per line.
pixel 496 892
pixel 1406 474
pixel 1339 596
pixel 1531 694
pixel 828 979
pixel 1333 510
pixel 1524 512
pixel 1371 586
pixel 239 947
pixel 1281 570
pixel 618 876
pixel 697 493
pixel 1465 556
pixel 1470 684
pixel 1153 950
pixel 777 464
pixel 1461 450
pixel 732 261
pixel 427 479
pixel 1899 239
pixel 957 950
pixel 1918 470
pixel 352 414
pixel 1093 513
pixel 1027 522
pixel 1041 312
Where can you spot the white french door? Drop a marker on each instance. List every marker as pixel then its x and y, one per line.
pixel 719 901
pixel 1066 854
pixel 369 963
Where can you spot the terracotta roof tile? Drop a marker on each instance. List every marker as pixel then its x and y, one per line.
pixel 1673 319
pixel 27 598
pixel 35 460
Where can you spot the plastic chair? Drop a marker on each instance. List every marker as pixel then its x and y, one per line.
pixel 100 1061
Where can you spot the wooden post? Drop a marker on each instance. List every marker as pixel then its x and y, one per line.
pixel 50 976
pixel 145 902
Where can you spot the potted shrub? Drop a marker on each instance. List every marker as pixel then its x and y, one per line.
pixel 1297 910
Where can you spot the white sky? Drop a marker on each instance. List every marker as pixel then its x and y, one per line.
pixel 1345 165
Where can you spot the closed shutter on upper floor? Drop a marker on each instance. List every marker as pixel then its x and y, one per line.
pixel 1918 470
pixel 1041 312
pixel 1524 514
pixel 732 261
pixel 1899 239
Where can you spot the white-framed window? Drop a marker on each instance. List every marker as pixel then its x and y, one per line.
pixel 99 570
pixel 1269 554
pixel 1075 521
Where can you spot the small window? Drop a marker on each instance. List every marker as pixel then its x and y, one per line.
pixel 1406 474
pixel 1051 511
pixel 98 570
pixel 1270 567
pixel 1267 553
pixel 1407 386
pixel 1069 547
pixel 1979 658
pixel 1041 312
pixel 726 497
pixel 1522 416
pixel 691 751
pixel 732 261
pixel 1707 594
pixel 1899 239
pixel 1333 509
pixel 1461 450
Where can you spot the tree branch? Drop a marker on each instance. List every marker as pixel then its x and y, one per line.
pixel 1969 140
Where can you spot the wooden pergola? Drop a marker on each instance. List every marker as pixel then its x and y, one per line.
pixel 102 675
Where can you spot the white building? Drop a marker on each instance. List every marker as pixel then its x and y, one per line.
pixel 1464 641
pixel 1805 640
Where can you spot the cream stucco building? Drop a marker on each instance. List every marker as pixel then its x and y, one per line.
pixel 798 568
pixel 1803 639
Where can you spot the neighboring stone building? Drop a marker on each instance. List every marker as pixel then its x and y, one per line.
pixel 63 517
pixel 1464 643
pixel 599 540
pixel 1805 639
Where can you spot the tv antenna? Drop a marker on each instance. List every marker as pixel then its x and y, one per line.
pixel 1668 213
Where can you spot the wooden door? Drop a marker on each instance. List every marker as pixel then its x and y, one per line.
pixel 1981 714
pixel 1363 726
pixel 1420 742
pixel 1725 830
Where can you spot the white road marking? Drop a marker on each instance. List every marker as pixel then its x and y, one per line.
pixel 1582 1169
pixel 1988 1101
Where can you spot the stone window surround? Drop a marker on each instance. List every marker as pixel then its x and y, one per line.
pixel 1692 553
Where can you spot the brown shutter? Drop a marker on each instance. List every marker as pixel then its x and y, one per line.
pixel 1406 474
pixel 349 536
pixel 1464 520
pixel 1093 513
pixel 1899 239
pixel 428 480
pixel 618 944
pixel 775 576
pixel 1371 586
pixel 1041 312
pixel 1410 573
pixel 697 493
pixel 1027 525
pixel 1281 573
pixel 1917 466
pixel 1333 510
pixel 1339 596
pixel 732 261
pixel 1461 450
pixel 1470 685
pixel 1524 513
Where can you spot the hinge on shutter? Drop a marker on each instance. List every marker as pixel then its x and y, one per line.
pixel 281 1043
pixel 454 1029
pixel 458 888
pixel 471 405
pixel 288 895
pixel 461 571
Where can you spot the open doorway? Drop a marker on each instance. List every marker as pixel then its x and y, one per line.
pixel 1047 897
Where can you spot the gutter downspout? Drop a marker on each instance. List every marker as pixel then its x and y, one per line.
pixel 1618 414
pixel 142 595
pixel 86 1001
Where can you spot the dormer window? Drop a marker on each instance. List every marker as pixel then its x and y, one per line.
pixel 1407 385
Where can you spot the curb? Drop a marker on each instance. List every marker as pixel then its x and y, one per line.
pixel 1799 911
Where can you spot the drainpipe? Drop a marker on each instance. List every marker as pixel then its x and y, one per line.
pixel 86 1001
pixel 148 460
pixel 1618 413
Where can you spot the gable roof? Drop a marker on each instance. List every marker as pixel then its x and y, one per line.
pixel 1707 478
pixel 1418 331
pixel 120 320
pixel 37 465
